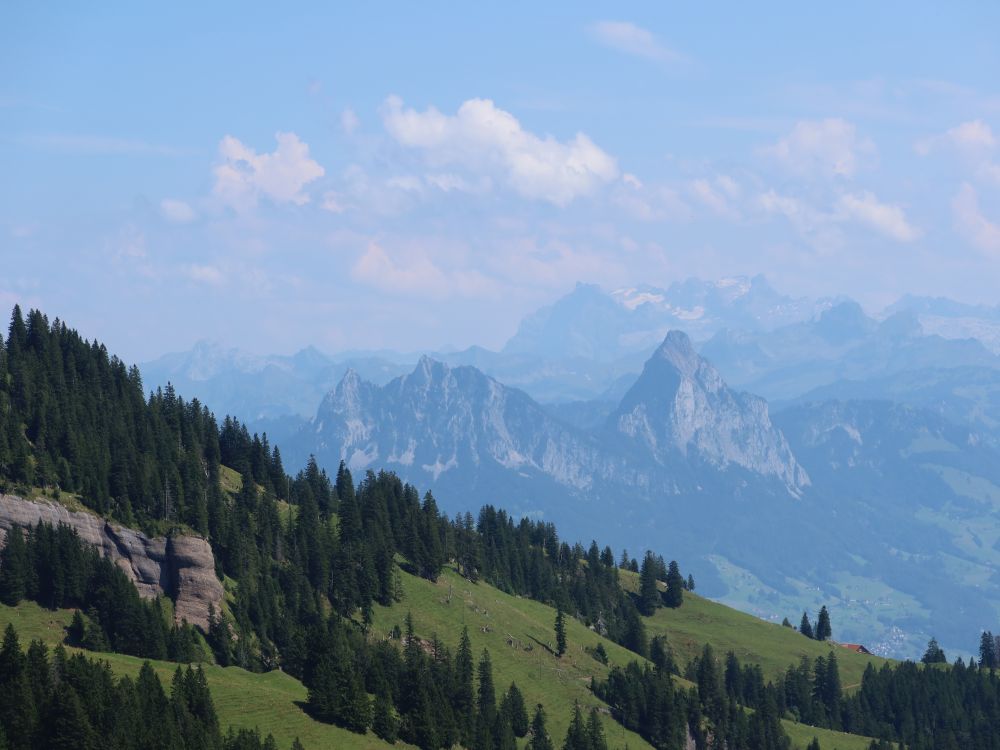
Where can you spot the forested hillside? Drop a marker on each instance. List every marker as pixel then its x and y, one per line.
pixel 309 564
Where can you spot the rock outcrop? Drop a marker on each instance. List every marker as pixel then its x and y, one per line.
pixel 181 567
pixel 680 405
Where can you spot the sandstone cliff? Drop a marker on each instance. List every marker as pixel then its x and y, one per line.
pixel 181 567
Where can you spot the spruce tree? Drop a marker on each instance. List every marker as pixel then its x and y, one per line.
pixel 690 582
pixel 576 736
pixel 540 739
pixel 649 593
pixel 674 595
pixel 560 632
pixel 805 627
pixel 486 704
pixel 513 707
pixel 14 568
pixel 988 651
pixel 463 699
pixel 595 732
pixel 823 629
pixel 933 654
pixel 383 721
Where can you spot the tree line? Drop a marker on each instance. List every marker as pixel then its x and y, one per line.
pixel 51 566
pixel 55 700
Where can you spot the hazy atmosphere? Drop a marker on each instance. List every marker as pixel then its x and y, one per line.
pixel 419 178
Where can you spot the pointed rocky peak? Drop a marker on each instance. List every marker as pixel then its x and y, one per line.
pixel 428 372
pixel 679 352
pixel 680 407
pixel 350 394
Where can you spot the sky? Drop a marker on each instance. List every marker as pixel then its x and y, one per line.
pixel 422 175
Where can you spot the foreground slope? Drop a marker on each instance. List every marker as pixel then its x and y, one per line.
pixel 508 626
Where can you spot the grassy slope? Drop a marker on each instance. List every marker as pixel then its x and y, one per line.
pixel 242 699
pixel 270 701
pixel 543 678
pixel 755 641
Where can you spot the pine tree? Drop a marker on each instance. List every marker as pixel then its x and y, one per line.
pixel 823 629
pixel 576 736
pixel 14 568
pixel 383 722
pixel 988 652
pixel 674 595
pixel 512 706
pixel 560 632
pixel 486 704
pixel 933 654
pixel 595 732
pixel 540 739
pixel 805 627
pixel 463 699
pixel 690 582
pixel 649 593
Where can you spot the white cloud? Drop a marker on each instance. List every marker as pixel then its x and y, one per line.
pixel 973 136
pixel 349 121
pixel 972 224
pixel 205 274
pixel 244 175
pixel 177 211
pixel 975 143
pixel 333 202
pixel 885 218
pixel 419 276
pixel 482 137
pixel 717 194
pixel 649 202
pixel 860 208
pixel 825 148
pixel 633 40
pixel 802 216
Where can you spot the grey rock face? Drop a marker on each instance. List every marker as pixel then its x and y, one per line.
pixel 680 404
pixel 181 567
pixel 441 424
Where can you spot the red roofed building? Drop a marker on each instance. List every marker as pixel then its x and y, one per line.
pixel 856 648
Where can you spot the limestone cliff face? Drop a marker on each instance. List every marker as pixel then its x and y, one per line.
pixel 181 567
pixel 680 405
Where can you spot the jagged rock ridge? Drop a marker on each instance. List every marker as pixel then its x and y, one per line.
pixel 448 422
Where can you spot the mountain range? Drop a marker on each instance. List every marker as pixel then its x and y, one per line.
pixel 867 482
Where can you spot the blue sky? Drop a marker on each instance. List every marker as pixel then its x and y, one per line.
pixel 420 176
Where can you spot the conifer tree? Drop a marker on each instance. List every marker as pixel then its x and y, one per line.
pixel 649 593
pixel 823 629
pixel 540 739
pixel 463 699
pixel 560 632
pixel 486 704
pixel 595 732
pixel 988 652
pixel 576 736
pixel 674 595
pixel 805 627
pixel 513 707
pixel 690 582
pixel 934 654
pixel 383 722
pixel 13 569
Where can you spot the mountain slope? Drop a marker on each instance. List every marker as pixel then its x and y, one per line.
pixel 680 404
